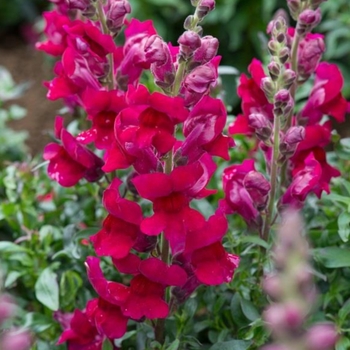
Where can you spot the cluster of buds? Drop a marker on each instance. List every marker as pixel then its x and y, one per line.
pixel 293 293
pixel 11 339
pixel 172 249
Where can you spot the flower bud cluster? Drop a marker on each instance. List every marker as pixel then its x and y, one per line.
pixel 293 293
pixel 175 249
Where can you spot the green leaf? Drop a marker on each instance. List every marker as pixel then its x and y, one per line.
pixel 174 345
pixel 344 311
pixel 344 226
pixel 255 240
pixel 343 344
pixel 11 278
pixel 249 310
pixel 69 286
pixel 332 257
pixel 46 289
pixel 107 345
pixel 12 248
pixel 231 345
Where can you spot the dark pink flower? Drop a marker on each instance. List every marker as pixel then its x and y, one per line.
pixel 237 198
pixel 146 300
pixel 203 130
pixel 83 334
pixel 116 12
pixel 72 161
pixel 325 97
pixel 171 195
pixel 157 271
pixel 207 51
pixel 102 108
pixel 213 265
pixel 55 32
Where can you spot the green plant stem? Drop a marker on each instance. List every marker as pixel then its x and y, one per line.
pixel 105 30
pixel 273 179
pixel 178 78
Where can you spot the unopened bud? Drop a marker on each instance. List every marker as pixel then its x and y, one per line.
pixel 273 47
pixel 310 53
pixel 200 79
pixel 7 307
pixel 78 4
pixel 189 42
pixel 294 8
pixel 188 24
pixel 288 78
pixel 321 337
pixel 308 20
pixel 207 50
pixel 272 286
pixel 291 139
pixel 258 188
pixel 117 10
pixel 262 126
pixel 316 3
pixel 204 7
pixel 156 50
pixel 15 340
pixel 274 70
pixel 283 55
pixel 269 87
pixel 282 99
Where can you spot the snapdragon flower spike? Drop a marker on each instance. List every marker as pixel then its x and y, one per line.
pixel 171 194
pixel 72 161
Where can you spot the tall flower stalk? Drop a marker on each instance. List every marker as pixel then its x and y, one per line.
pixel 166 140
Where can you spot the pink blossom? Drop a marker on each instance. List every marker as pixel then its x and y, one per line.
pixel 203 130
pixel 325 96
pixel 102 108
pixel 72 161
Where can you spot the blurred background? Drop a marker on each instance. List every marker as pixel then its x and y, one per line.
pixel 239 24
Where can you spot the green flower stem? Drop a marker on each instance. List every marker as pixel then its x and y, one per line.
pixel 105 30
pixel 273 179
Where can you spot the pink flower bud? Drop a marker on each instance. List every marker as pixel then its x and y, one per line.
pixel 207 50
pixel 272 286
pixel 189 42
pixel 282 97
pixel 310 53
pixel 290 141
pixel 15 340
pixel 204 7
pixel 283 55
pixel 7 307
pixel 288 78
pixel 258 188
pixel 200 79
pixel 274 70
pixel 269 87
pixel 156 51
pixel 262 126
pixel 321 337
pixel 284 317
pixel 117 10
pixel 79 4
pixel 308 20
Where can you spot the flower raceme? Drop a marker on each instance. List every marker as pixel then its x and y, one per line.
pixel 173 245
